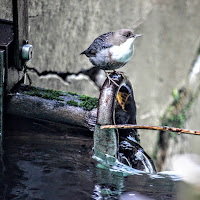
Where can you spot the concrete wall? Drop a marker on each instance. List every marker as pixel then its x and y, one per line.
pixel 60 30
pixel 6 9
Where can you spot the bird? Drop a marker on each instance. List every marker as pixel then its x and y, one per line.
pixel 112 50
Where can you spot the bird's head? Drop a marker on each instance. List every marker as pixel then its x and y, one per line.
pixel 122 35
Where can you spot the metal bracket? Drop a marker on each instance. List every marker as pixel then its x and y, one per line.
pixel 27 52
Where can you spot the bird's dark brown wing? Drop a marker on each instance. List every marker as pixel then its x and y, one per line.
pixel 98 44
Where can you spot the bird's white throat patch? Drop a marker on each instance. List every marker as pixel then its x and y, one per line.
pixel 123 52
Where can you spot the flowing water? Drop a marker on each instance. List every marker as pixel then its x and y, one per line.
pixel 39 165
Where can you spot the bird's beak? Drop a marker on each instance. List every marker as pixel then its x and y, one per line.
pixel 138 35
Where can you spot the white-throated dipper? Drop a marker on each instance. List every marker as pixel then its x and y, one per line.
pixel 112 50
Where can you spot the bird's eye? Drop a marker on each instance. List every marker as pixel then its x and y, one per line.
pixel 127 35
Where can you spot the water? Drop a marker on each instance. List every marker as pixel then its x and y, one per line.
pixel 40 164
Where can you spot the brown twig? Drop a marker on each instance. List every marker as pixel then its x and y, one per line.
pixel 160 128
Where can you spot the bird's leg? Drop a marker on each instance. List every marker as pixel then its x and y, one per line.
pixel 121 73
pixel 110 79
pixel 116 72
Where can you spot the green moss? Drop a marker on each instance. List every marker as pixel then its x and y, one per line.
pixel 175 120
pixel 175 116
pixel 61 103
pixel 72 103
pixel 46 94
pixel 87 103
pixel 84 101
pixel 175 94
pixel 84 97
pixel 72 93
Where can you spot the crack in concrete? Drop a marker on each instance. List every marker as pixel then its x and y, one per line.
pixel 93 73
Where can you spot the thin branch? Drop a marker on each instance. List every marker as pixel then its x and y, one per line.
pixel 160 128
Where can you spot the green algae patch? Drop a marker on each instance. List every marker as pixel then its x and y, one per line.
pixel 72 93
pixel 72 103
pixel 69 98
pixel 46 94
pixel 88 103
pixel 85 102
pixel 176 113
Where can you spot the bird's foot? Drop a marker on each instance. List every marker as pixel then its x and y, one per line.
pixel 121 73
pixel 111 80
pixel 117 72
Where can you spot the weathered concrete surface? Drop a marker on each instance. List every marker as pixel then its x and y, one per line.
pixel 82 82
pixel 60 30
pixel 164 55
pixel 184 110
pixel 6 9
pixel 193 122
pixel 189 143
pixel 164 58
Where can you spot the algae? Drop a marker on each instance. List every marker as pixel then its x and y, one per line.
pixel 83 101
pixel 72 93
pixel 176 113
pixel 44 93
pixel 88 103
pixel 72 103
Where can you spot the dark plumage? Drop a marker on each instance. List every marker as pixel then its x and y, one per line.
pixel 101 42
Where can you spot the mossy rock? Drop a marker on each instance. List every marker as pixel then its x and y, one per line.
pixel 83 101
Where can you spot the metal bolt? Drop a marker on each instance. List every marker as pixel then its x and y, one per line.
pixel 27 52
